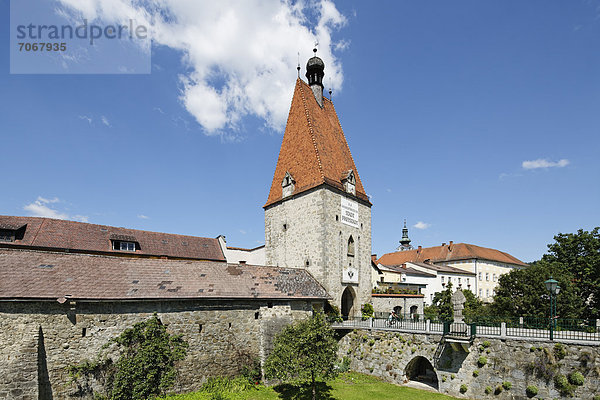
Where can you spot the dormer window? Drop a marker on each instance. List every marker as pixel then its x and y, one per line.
pixel 11 232
pixel 124 246
pixel 349 182
pixel 124 243
pixel 7 235
pixel 287 185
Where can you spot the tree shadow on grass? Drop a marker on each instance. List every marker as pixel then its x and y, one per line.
pixel 304 392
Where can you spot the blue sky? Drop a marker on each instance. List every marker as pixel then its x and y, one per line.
pixel 476 121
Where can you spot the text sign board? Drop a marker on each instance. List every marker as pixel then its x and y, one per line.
pixel 349 212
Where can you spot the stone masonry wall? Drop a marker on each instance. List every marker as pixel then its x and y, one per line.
pixel 385 304
pixel 303 232
pixel 387 354
pixel 40 340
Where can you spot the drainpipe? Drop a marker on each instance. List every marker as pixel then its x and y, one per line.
pixel 476 280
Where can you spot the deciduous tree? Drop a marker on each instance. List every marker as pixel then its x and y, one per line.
pixel 305 351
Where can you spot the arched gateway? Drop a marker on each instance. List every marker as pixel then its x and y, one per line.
pixel 421 370
pixel 347 302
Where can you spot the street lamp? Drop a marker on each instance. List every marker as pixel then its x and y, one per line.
pixel 554 289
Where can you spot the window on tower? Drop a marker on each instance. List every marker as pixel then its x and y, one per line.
pixel 351 246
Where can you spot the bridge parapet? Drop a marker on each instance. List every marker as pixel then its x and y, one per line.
pixel 529 329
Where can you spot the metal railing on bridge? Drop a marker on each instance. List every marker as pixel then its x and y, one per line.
pixel 515 328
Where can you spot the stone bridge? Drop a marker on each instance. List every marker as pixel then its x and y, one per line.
pixel 494 363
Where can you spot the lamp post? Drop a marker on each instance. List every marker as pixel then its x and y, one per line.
pixel 554 289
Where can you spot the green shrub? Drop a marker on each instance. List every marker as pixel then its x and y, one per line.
pixel 562 384
pixel 367 311
pixel 463 388
pixel 481 361
pixel 486 344
pixel 531 390
pixel 506 385
pixel 476 373
pixel 252 371
pixel 576 378
pixel 498 389
pixel 371 342
pixel 488 389
pixel 452 376
pixel 444 378
pixel 597 397
pixel 559 351
pixel 344 365
pixel 146 364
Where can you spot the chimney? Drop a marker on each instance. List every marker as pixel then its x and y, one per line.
pixel 404 266
pixel 450 245
pixel 419 249
pixel 443 244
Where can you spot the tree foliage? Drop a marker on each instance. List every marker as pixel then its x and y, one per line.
pixel 574 261
pixel 523 293
pixel 146 364
pixel 441 306
pixel 579 254
pixel 303 352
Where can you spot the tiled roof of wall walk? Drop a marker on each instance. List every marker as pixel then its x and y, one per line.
pixel 314 150
pixel 456 251
pixel 46 275
pixel 78 236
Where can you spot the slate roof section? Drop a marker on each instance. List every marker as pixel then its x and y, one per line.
pixel 456 251
pixel 314 149
pixel 45 275
pixel 408 270
pixel 47 233
pixel 444 268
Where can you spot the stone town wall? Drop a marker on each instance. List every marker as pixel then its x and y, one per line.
pixel 40 340
pixel 306 231
pixel 387 354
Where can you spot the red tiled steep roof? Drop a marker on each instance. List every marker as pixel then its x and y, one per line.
pixel 456 251
pixel 45 275
pixel 314 150
pixel 78 236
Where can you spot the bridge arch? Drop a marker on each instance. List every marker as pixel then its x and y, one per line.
pixel 420 369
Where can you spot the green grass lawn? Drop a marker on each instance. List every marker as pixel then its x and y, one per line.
pixel 348 386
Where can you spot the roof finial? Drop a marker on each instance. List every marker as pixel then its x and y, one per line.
pixel 405 241
pixel 298 67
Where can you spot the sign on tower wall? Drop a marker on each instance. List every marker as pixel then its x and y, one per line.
pixel 349 212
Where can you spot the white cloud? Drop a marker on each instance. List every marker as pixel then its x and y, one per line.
pixel 240 56
pixel 41 208
pixel 544 163
pixel 421 225
pixel 85 117
pixel 243 232
pixel 105 121
pixel 142 216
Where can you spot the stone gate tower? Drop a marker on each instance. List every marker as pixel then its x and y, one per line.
pixel 318 215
